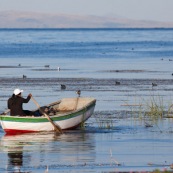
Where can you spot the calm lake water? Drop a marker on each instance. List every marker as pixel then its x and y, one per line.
pixel 92 60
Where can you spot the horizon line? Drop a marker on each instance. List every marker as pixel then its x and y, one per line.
pixel 91 28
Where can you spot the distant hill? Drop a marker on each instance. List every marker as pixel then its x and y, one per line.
pixel 14 19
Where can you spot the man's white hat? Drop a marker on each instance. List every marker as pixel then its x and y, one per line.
pixel 17 91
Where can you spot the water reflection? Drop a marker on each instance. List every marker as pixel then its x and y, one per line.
pixel 15 160
pixel 13 146
pixel 37 151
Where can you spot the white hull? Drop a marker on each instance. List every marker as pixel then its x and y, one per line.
pixel 38 124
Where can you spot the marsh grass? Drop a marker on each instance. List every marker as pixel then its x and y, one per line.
pixel 158 171
pixel 136 110
pixel 151 110
pixel 104 121
pixel 170 111
pixel 148 111
pixel 155 107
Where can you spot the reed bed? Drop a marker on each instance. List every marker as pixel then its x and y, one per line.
pixel 150 110
pixel 105 121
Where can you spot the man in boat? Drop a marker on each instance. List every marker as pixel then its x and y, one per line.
pixel 15 103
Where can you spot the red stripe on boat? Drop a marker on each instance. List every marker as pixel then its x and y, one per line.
pixel 14 131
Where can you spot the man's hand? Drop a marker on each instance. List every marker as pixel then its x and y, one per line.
pixel 30 95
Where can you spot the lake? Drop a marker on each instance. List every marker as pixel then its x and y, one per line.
pixel 115 66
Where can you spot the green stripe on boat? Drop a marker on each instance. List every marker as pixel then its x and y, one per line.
pixel 44 119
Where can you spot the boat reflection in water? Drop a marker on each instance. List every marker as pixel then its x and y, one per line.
pixel 36 151
pixel 15 160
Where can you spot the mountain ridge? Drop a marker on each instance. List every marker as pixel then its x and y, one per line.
pixel 16 19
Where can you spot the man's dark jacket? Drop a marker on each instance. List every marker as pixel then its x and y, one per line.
pixel 15 104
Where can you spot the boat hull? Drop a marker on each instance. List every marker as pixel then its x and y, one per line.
pixel 17 124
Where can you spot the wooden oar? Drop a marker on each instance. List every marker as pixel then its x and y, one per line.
pixel 56 126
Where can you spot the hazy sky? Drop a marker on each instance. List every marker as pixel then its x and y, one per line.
pixel 159 10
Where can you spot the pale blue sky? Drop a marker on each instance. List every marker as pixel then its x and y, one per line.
pixel 159 10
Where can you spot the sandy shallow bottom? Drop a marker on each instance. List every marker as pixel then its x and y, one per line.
pixel 114 139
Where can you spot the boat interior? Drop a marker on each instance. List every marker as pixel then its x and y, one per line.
pixel 66 105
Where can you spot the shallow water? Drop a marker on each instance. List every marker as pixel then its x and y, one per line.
pixel 130 145
pixel 92 61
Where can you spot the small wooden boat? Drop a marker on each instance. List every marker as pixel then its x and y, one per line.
pixel 69 113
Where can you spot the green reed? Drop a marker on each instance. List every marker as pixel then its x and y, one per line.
pixel 153 108
pixel 104 121
pixel 159 171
